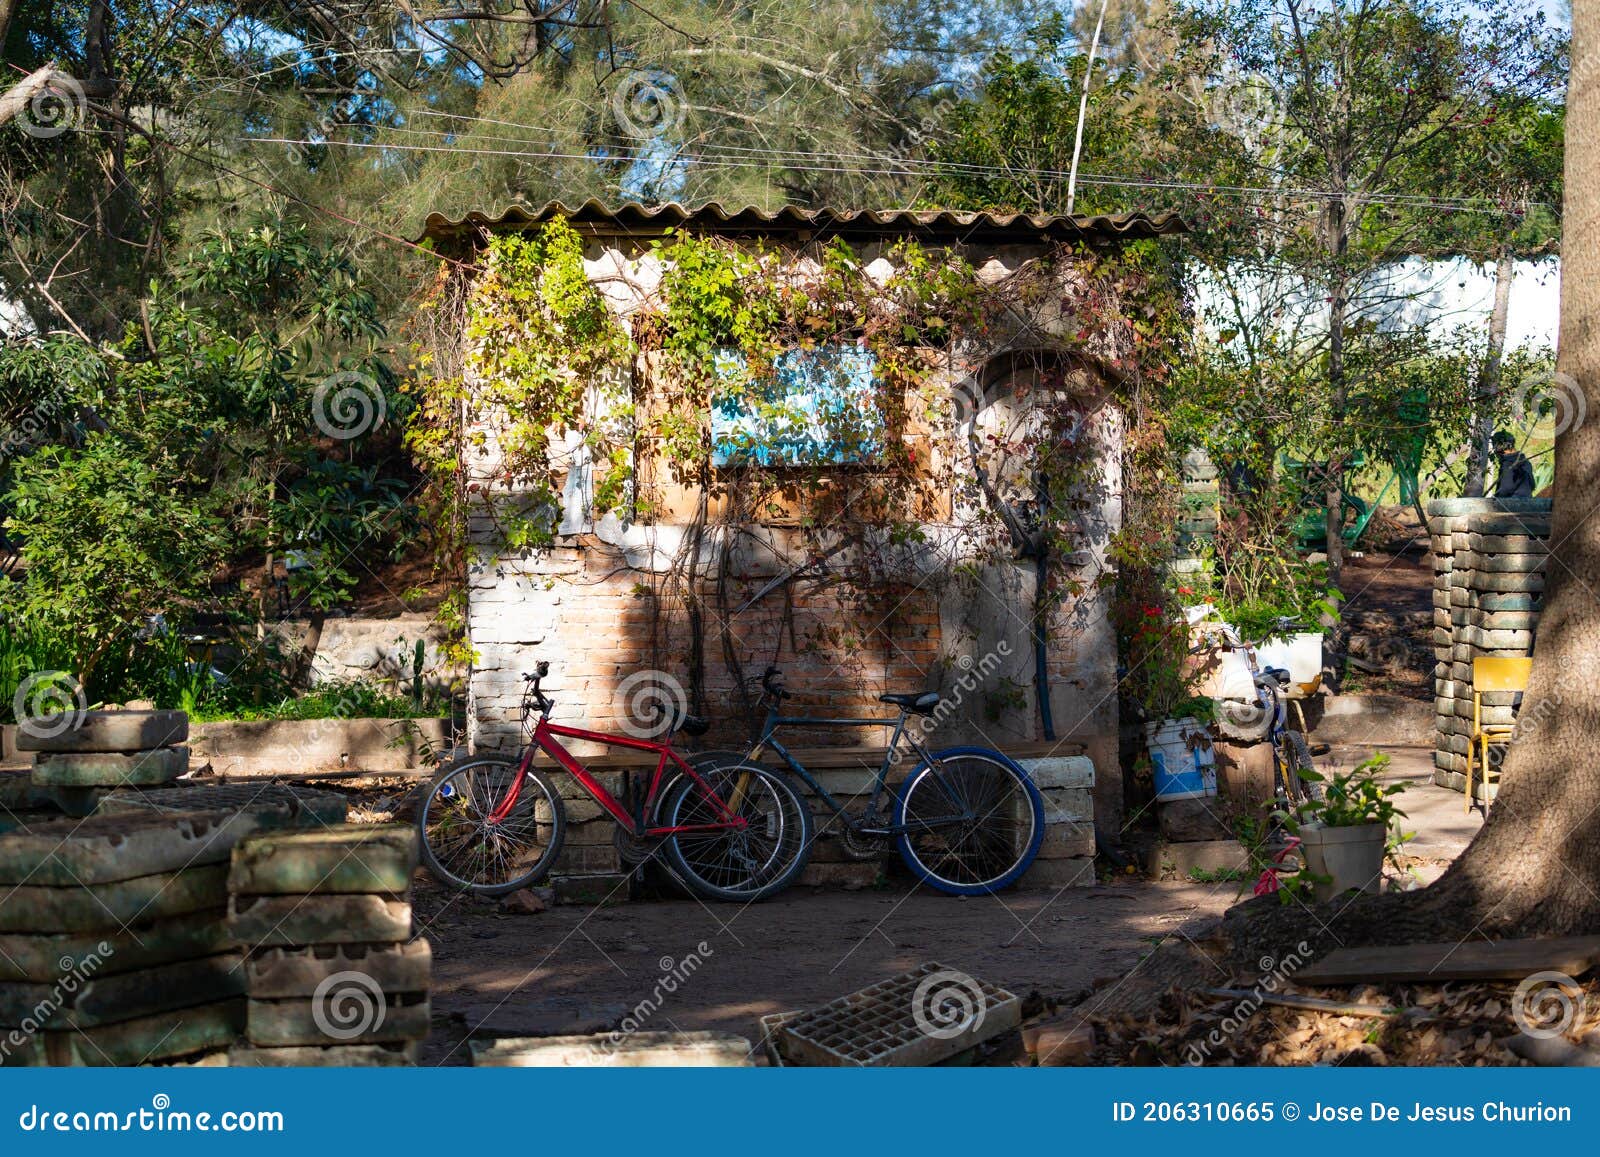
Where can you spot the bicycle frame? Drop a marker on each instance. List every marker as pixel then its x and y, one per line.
pixel 768 739
pixel 547 738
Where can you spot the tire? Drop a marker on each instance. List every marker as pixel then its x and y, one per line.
pixel 456 840
pixel 992 851
pixel 1299 756
pixel 724 865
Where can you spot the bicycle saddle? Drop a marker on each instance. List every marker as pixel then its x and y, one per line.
pixel 694 725
pixel 918 702
pixel 1275 675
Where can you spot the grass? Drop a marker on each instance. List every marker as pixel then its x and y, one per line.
pixel 345 700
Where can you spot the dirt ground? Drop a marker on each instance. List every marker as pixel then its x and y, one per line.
pixel 584 968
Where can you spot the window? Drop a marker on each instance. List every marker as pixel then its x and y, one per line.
pixel 818 408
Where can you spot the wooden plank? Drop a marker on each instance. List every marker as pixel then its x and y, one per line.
pixel 1476 960
pixel 1316 1004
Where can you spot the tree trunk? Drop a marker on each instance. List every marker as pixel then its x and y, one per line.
pixel 1334 497
pixel 1489 380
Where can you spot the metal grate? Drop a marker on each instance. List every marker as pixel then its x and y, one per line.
pixel 921 1018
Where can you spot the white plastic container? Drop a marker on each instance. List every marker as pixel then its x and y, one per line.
pixel 1299 654
pixel 1181 759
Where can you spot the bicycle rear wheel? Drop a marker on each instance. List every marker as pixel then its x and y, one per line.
pixel 1297 759
pixel 970 821
pixel 464 849
pixel 750 864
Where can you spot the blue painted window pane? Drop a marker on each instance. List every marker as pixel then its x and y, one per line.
pixel 819 408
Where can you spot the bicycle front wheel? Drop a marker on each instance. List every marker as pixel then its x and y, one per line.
pixel 465 849
pixel 748 864
pixel 970 821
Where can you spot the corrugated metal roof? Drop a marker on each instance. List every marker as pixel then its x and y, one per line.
pixel 633 218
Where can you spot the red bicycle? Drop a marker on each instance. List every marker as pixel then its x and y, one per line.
pixel 492 824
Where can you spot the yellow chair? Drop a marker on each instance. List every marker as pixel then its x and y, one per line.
pixel 1492 675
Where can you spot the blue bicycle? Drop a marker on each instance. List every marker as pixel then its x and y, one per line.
pixel 966 820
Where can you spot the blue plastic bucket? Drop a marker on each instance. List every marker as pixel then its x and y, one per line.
pixel 1182 768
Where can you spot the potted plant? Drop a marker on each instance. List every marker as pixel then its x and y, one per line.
pixel 1345 836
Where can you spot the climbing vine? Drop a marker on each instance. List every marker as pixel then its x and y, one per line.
pixel 843 392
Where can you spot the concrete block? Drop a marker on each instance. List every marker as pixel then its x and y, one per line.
pixel 1207 856
pixel 593 890
pixel 349 858
pixel 1186 820
pixel 18 792
pixel 160 765
pixel 165 1036
pixel 282 973
pixel 95 1000
pixel 1060 771
pixel 1059 1042
pixel 1067 805
pixel 361 1020
pixel 1071 873
pixel 113 906
pixel 106 731
pixel 299 921
pixel 274 806
pixel 76 853
pixel 850 875
pixel 402 1054
pixel 617 1050
pixel 26 956
pixel 1067 841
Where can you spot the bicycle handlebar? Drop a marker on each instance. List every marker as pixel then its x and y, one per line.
pixel 540 699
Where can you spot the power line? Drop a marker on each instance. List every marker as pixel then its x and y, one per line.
pixel 902 167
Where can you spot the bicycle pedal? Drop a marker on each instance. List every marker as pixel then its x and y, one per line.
pixel 1320 748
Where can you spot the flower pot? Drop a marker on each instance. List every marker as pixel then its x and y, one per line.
pixel 1349 857
pixel 1181 759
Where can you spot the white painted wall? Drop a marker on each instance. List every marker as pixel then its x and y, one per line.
pixel 1441 294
